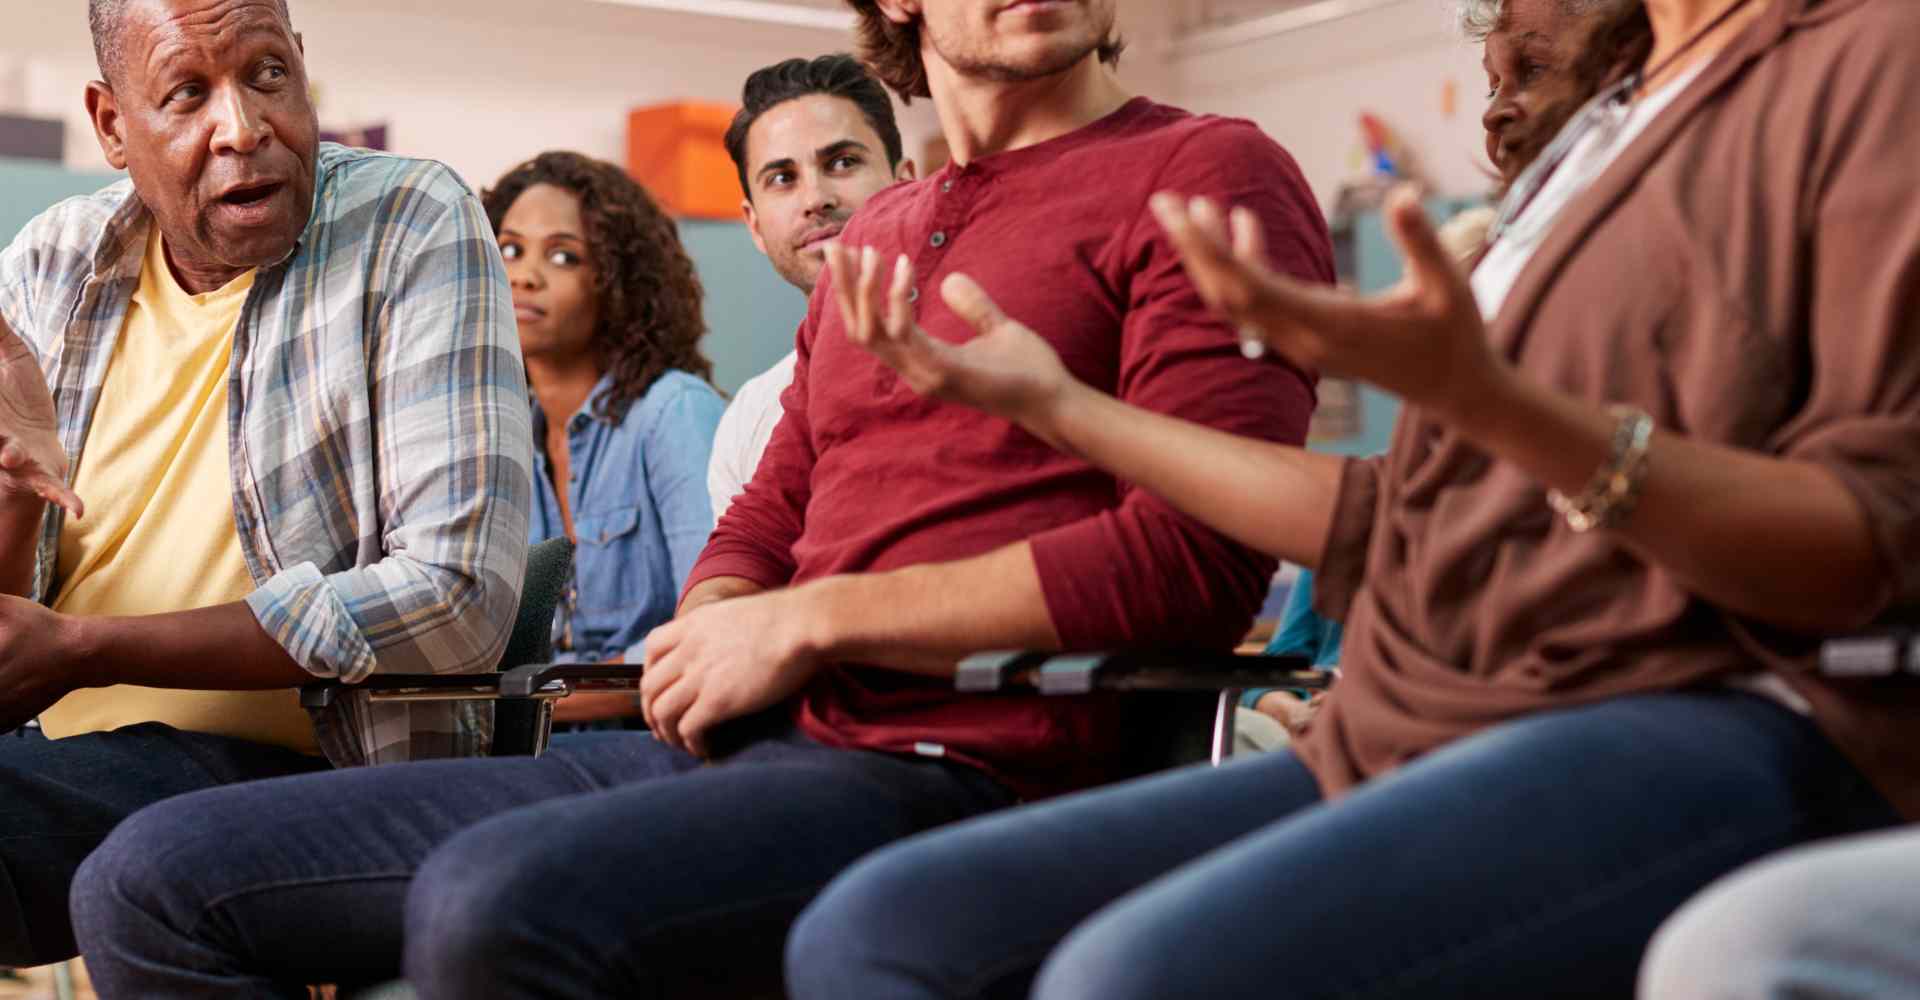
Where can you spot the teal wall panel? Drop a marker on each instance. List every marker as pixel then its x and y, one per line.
pixel 752 314
pixel 29 187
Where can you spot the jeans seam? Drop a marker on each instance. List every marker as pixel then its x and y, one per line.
pixel 207 908
pixel 1726 836
pixel 631 942
pixel 1035 957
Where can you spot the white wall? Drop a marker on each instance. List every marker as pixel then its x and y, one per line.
pixel 1308 87
pixel 479 84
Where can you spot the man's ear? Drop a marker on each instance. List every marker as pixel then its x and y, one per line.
pixel 103 109
pixel 899 11
pixel 906 171
pixel 753 225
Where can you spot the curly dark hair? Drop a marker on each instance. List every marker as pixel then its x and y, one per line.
pixel 892 51
pixel 650 297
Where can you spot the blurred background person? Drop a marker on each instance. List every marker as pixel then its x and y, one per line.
pixel 608 307
pixel 814 139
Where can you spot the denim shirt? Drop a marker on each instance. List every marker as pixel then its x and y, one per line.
pixel 640 512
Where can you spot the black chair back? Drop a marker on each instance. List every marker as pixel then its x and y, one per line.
pixel 549 574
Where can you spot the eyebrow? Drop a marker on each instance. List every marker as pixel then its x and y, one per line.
pixel 824 152
pixel 550 236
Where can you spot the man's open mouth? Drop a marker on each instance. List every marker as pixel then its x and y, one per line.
pixel 251 194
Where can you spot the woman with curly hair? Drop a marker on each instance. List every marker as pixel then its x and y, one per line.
pixel 623 413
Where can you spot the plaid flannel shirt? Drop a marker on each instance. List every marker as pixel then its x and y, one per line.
pixel 378 428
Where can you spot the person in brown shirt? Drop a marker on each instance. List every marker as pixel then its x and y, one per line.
pixel 1665 442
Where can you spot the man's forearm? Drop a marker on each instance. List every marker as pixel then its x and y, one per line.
pixel 925 619
pixel 1271 497
pixel 719 588
pixel 20 519
pixel 220 648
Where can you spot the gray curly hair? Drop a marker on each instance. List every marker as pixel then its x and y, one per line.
pixel 1480 18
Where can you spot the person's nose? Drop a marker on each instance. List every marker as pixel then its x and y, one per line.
pixel 238 125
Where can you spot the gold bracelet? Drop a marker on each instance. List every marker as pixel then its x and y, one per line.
pixel 1613 491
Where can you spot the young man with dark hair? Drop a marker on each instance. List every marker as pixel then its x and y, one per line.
pixel 802 704
pixel 814 139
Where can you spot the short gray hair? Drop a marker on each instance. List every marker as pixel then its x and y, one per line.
pixel 104 21
pixel 1480 18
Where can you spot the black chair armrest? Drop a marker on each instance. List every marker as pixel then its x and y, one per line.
pixel 1137 670
pixel 535 680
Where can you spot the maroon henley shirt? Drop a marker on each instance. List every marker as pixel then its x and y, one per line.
pixel 863 475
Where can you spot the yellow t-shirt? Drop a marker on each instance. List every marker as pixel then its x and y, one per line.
pixel 159 534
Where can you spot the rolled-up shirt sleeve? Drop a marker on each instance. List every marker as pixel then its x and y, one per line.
pixel 1861 416
pixel 1143 573
pixel 452 436
pixel 1343 561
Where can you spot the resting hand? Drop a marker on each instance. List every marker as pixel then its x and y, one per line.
pixel 32 463
pixel 35 669
pixel 725 660
pixel 1006 370
pixel 1422 340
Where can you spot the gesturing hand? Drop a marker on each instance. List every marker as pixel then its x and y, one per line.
pixel 724 660
pixel 32 463
pixel 1422 340
pixel 1006 370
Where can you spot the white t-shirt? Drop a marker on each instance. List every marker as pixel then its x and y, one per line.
pixel 1498 271
pixel 744 431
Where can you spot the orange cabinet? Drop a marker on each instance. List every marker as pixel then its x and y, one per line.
pixel 679 152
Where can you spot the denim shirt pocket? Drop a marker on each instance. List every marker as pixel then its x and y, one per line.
pixel 606 528
pixel 613 581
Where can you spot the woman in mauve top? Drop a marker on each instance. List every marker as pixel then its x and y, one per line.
pixel 1664 442
pixel 624 414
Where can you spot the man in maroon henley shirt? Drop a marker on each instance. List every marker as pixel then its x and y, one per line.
pixel 884 535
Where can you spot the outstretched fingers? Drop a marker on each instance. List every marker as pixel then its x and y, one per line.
pixel 1428 262
pixel 971 303
pixel 1230 270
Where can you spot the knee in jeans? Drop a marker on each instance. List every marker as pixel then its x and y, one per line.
pixel 876 915
pixel 145 873
pixel 456 911
pixel 1115 957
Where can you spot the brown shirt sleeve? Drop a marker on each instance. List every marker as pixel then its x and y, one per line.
pixel 1343 563
pixel 1861 417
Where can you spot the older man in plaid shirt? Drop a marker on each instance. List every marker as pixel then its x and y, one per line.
pixel 284 379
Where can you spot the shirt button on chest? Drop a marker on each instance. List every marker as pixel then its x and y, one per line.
pixel 913 295
pixel 946 187
pixel 939 240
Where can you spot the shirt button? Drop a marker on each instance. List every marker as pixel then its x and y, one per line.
pixel 913 295
pixel 939 240
pixel 946 187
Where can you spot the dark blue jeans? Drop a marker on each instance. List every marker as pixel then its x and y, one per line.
pixel 611 866
pixel 1533 860
pixel 60 798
